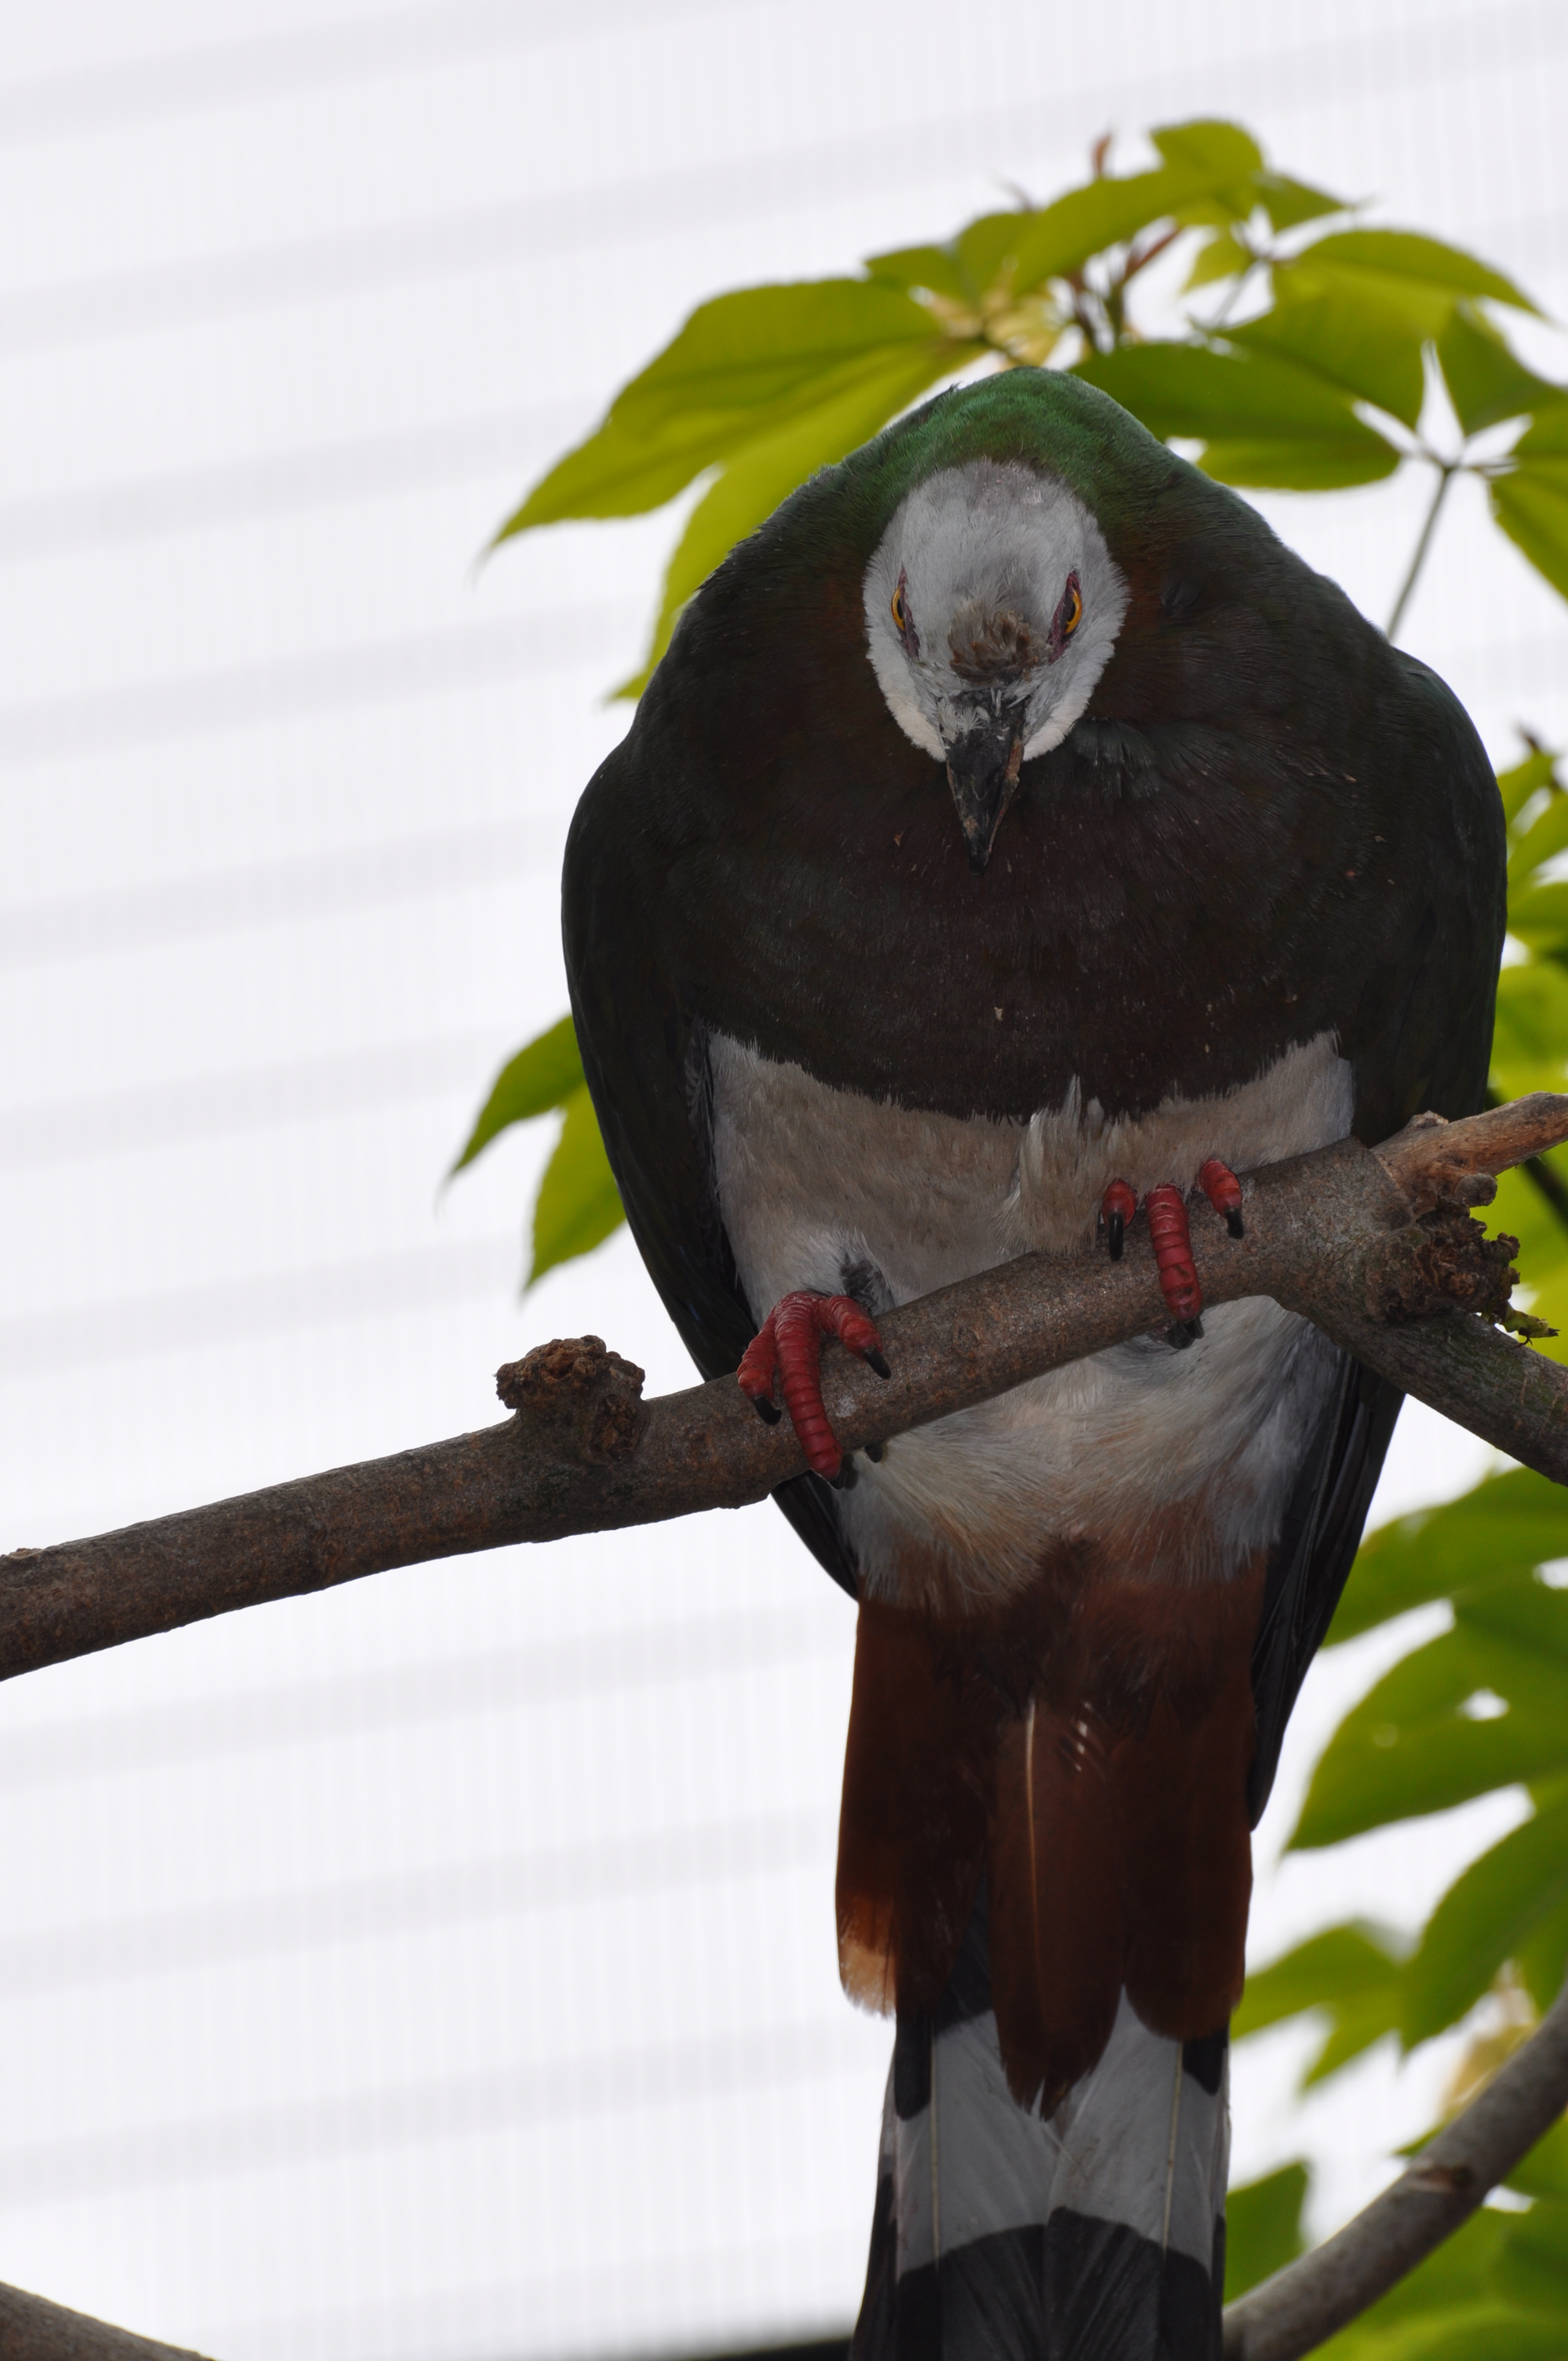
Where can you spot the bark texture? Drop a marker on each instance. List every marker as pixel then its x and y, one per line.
pixel 32 2329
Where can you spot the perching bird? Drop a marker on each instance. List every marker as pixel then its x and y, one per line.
pixel 1017 838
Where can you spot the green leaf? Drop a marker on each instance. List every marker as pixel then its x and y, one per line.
pixel 1526 779
pixel 1337 325
pixel 1530 503
pixel 543 1075
pixel 578 1203
pixel 1062 237
pixel 1290 203
pixel 769 469
pixel 1342 1963
pixel 1530 1046
pixel 1423 1741
pixel 1208 170
pixel 1405 256
pixel 1486 1917
pixel 937 267
pixel 1524 1213
pixel 1544 833
pixel 1265 421
pixel 1538 915
pixel 740 366
pixel 1349 1973
pixel 1532 2271
pixel 1223 258
pixel 1547 438
pixel 1214 150
pixel 1485 382
pixel 1490 2331
pixel 1497 1533
pixel 1263 2228
pixel 1543 1960
pixel 1545 2171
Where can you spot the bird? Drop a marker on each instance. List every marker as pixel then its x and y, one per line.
pixel 1017 842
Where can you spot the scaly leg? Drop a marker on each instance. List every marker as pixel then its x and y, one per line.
pixel 788 1346
pixel 1166 1208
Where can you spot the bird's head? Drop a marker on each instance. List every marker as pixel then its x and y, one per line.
pixel 993 605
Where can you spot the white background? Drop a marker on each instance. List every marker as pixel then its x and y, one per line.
pixel 444 1967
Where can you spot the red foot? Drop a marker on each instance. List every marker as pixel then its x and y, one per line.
pixel 1224 1190
pixel 1171 1239
pixel 789 1342
pixel 1172 1243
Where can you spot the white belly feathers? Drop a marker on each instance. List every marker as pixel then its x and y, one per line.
pixel 825 1189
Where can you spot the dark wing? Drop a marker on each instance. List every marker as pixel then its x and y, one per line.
pixel 645 1057
pixel 1427 1045
pixel 1315 1551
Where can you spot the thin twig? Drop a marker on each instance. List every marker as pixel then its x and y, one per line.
pixel 1302 2305
pixel 1446 471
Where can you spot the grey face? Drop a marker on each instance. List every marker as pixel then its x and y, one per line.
pixel 993 605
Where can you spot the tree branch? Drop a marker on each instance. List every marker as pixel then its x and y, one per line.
pixel 1302 2305
pixel 1373 1246
pixel 33 2329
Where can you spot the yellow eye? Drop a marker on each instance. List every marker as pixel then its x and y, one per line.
pixel 1072 610
pixel 900 612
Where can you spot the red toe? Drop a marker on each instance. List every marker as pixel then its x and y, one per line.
pixel 789 1345
pixel 1224 1190
pixel 1167 1211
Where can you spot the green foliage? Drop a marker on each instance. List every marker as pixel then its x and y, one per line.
pixel 1510 1906
pixel 1348 1976
pixel 542 1076
pixel 1262 420
pixel 578 1203
pixel 762 386
pixel 1320 388
pixel 1263 2228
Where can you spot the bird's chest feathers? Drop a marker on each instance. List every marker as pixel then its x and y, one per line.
pixel 1180 1459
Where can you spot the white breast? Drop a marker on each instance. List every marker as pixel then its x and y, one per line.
pixel 825 1189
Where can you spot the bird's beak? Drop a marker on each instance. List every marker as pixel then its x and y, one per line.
pixel 983 772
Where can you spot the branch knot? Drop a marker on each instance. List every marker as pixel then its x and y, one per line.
pixel 591 1398
pixel 1444 1262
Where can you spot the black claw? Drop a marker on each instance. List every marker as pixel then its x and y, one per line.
pixel 1115 1232
pixel 845 1478
pixel 1182 1332
pixel 1235 1224
pixel 768 1411
pixel 877 1361
pixel 876 1453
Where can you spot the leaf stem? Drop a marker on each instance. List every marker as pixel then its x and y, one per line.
pixel 1446 471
